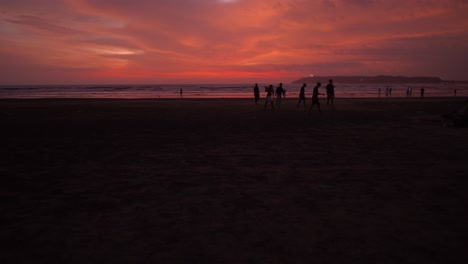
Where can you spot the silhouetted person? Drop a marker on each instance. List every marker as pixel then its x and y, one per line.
pixel 330 94
pixel 315 99
pixel 279 94
pixel 422 92
pixel 454 92
pixel 180 92
pixel 379 92
pixel 256 93
pixel 269 98
pixel 302 97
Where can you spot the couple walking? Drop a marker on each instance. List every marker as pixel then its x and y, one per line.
pixel 279 92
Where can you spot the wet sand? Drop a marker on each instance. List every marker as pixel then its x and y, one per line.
pixel 226 181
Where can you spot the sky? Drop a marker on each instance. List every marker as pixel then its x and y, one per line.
pixel 228 41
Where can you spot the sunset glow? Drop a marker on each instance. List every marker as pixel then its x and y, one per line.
pixel 229 41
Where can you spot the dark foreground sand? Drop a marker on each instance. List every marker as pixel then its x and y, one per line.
pixel 225 181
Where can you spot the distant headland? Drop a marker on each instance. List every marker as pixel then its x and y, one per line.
pixel 374 79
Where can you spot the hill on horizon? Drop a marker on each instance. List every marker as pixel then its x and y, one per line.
pixel 371 79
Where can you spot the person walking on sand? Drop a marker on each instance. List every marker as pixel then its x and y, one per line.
pixel 279 94
pixel 256 93
pixel 269 98
pixel 315 99
pixel 422 92
pixel 330 94
pixel 302 97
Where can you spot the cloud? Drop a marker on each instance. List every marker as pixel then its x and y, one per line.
pixel 285 37
pixel 41 24
pixel 228 1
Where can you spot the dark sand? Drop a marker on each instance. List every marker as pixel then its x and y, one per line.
pixel 225 181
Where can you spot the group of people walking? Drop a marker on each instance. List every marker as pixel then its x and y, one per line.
pixel 280 93
pixel 272 93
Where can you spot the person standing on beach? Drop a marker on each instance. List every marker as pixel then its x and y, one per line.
pixel 302 97
pixel 279 93
pixel 422 92
pixel 256 93
pixel 315 99
pixel 269 98
pixel 330 94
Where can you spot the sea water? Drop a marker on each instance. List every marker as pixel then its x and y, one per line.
pixel 151 91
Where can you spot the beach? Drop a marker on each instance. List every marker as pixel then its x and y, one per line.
pixel 227 181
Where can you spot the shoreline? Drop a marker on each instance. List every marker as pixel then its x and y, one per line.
pixel 262 98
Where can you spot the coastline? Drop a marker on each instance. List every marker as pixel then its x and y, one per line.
pixel 224 180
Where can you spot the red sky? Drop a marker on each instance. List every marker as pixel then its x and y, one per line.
pixel 228 41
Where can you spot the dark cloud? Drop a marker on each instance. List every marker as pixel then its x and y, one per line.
pixel 42 24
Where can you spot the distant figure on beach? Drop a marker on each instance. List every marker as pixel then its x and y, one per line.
pixel 302 97
pixel 422 92
pixel 279 94
pixel 379 92
pixel 386 92
pixel 256 93
pixel 315 99
pixel 457 117
pixel 269 98
pixel 330 94
pixel 454 92
pixel 180 92
pixel 390 92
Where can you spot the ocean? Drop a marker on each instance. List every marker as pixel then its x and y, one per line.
pixel 151 91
